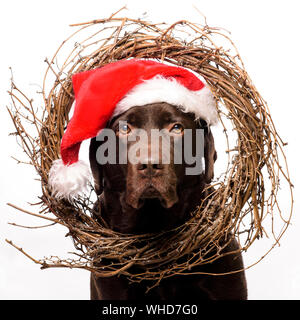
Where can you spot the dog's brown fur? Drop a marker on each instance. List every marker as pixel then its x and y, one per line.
pixel 151 198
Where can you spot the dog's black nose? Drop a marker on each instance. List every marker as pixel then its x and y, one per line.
pixel 148 167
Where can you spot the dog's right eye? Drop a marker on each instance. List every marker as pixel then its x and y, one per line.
pixel 124 129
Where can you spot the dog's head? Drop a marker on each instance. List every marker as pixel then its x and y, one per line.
pixel 151 194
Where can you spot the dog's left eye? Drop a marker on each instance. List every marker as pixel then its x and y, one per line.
pixel 177 128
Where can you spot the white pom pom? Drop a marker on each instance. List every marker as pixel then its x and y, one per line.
pixel 68 181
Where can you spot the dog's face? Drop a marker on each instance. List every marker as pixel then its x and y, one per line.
pixel 151 194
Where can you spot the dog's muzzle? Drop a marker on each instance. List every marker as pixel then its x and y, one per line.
pixel 151 181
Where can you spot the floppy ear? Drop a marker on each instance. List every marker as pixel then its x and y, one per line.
pixel 95 166
pixel 210 154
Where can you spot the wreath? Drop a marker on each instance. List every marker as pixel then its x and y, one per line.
pixel 243 201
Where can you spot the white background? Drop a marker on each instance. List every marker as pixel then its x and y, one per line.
pixel 266 34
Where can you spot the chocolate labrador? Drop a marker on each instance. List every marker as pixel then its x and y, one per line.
pixel 151 196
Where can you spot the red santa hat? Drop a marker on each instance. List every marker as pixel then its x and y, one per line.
pixel 105 92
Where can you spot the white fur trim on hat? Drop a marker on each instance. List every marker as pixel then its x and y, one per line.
pixel 160 89
pixel 68 181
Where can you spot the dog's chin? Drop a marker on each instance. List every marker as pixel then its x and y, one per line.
pixel 153 202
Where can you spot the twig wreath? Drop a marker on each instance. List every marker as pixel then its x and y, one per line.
pixel 241 201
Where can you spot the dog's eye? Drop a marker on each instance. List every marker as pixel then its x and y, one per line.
pixel 124 128
pixel 177 128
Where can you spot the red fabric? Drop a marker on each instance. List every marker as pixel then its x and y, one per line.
pixel 98 91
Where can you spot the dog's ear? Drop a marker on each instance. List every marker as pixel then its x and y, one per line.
pixel 96 168
pixel 210 154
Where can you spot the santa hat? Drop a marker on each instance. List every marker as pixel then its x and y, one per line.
pixel 105 92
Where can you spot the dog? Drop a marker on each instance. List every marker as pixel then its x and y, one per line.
pixel 150 196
